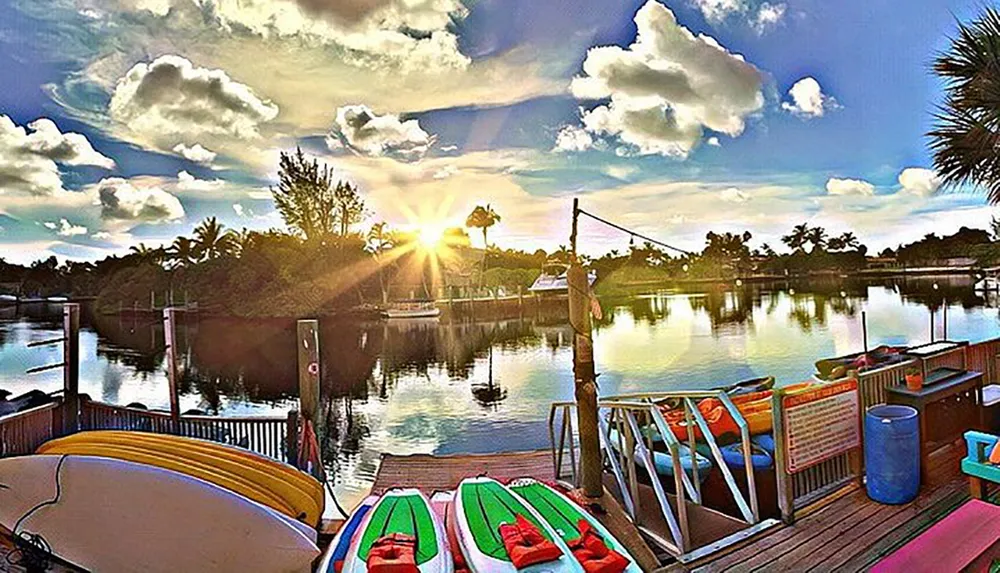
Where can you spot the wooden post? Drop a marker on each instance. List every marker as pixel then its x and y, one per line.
pixel 944 320
pixel 932 324
pixel 71 369
pixel 173 373
pixel 308 358
pixel 152 300
pixel 292 438
pixel 583 369
pixel 784 480
pixel 864 329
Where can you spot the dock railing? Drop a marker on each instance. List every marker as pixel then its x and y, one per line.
pixel 630 424
pixel 22 432
pixel 274 437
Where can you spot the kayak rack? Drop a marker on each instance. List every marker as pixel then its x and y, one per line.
pixel 629 426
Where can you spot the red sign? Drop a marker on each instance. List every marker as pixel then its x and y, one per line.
pixel 820 424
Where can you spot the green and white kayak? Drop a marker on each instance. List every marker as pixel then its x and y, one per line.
pixel 482 505
pixel 405 511
pixel 564 515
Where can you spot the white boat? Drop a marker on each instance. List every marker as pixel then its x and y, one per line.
pixel 988 280
pixel 8 298
pixel 411 309
pixel 56 299
pixel 553 279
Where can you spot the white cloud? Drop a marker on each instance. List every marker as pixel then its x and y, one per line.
pixel 836 186
pixel 572 138
pixel 188 182
pixel 238 209
pixel 50 225
pixel 101 235
pixel 172 96
pixel 119 199
pixel 716 11
pixel 195 153
pixel 768 17
pixel 446 172
pixel 713 141
pixel 67 229
pixel 29 161
pixel 667 87
pixel 734 195
pixel 808 99
pixel 360 129
pixel 919 181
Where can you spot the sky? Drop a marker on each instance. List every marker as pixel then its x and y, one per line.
pixel 128 121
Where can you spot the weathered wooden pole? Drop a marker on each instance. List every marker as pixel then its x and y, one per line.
pixel 173 370
pixel 864 329
pixel 944 320
pixel 308 359
pixel 71 366
pixel 583 368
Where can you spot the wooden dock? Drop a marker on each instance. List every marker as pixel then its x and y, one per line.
pixel 848 532
pixel 439 473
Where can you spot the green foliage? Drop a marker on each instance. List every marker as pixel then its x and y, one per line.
pixel 966 134
pixel 510 279
pixel 482 218
pixel 309 201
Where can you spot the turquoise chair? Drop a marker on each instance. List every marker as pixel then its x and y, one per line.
pixel 976 463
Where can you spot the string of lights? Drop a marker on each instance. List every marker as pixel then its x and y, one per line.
pixel 633 233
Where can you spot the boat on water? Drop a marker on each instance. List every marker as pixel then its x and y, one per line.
pixel 988 280
pixel 411 309
pixel 553 279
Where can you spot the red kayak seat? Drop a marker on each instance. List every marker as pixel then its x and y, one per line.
pixel 594 554
pixel 394 553
pixel 526 545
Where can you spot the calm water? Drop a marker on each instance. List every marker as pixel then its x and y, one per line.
pixel 424 387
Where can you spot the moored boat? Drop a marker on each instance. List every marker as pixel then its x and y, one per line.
pixel 553 279
pixel 411 309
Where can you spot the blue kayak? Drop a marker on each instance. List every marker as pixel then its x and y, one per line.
pixel 664 463
pixel 733 456
pixel 765 441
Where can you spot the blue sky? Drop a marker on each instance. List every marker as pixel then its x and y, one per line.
pixel 126 121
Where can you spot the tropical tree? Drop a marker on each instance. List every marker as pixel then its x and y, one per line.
pixel 212 241
pixel 147 254
pixel 482 218
pixel 183 252
pixel 380 240
pixel 797 239
pixel 817 237
pixel 349 206
pixel 966 133
pixel 306 196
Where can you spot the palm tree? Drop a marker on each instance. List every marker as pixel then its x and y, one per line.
pixel 966 134
pixel 482 218
pixel 849 241
pixel 379 241
pixel 183 252
pixel 212 241
pixel 147 254
pixel 797 239
pixel 817 236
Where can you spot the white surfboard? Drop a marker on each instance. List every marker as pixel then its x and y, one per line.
pixel 110 515
pixel 404 511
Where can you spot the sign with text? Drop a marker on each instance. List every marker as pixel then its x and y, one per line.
pixel 821 424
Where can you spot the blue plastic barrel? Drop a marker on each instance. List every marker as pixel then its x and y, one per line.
pixel 892 453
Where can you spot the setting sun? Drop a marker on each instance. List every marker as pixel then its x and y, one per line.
pixel 430 235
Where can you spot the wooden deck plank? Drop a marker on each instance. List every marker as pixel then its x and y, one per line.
pixel 852 532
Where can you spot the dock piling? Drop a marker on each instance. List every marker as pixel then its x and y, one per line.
pixel 308 359
pixel 170 338
pixel 71 366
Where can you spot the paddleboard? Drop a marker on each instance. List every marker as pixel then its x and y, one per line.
pixel 564 515
pixel 481 506
pixel 112 516
pixel 404 511
pixel 300 492
pixel 341 543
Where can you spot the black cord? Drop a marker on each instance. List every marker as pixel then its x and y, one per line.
pixel 32 551
pixel 633 233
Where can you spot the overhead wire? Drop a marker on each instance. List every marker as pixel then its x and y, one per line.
pixel 633 234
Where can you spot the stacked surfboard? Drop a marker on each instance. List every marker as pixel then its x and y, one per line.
pixel 462 527
pixel 111 515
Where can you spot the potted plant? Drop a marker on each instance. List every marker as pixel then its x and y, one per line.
pixel 914 379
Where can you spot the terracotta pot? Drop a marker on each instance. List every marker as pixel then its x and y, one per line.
pixel 914 381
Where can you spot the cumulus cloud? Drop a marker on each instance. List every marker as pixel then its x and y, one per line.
pixel 66 229
pixel 172 96
pixel 667 87
pixel 238 209
pixel 195 153
pixel 30 158
pixel 572 138
pixel 188 182
pixel 919 181
pixel 768 17
pixel 120 200
pixel 446 172
pixel 366 133
pixel 836 186
pixel 808 99
pixel 716 11
pixel 408 35
pixel 734 195
pixel 713 141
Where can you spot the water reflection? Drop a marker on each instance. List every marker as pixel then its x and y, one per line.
pixel 418 386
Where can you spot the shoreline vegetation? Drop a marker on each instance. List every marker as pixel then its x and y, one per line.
pixel 327 262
